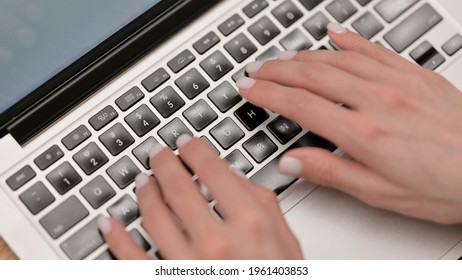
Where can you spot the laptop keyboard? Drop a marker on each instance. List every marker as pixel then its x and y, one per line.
pixel 193 93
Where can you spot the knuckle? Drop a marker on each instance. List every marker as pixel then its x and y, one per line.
pixel 374 133
pixel 214 246
pixel 392 97
pixel 268 198
pixel 322 172
pixel 311 71
pixel 253 226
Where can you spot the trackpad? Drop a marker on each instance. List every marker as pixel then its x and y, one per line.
pixel 332 225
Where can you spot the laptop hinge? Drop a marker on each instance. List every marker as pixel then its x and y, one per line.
pixel 77 89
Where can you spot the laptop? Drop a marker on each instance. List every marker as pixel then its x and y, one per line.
pixel 87 87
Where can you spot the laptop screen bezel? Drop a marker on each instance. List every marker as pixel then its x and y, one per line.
pixel 95 55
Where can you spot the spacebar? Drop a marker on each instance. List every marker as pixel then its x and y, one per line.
pixel 412 28
pixel 269 175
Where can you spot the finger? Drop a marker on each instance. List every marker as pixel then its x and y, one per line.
pixel 351 41
pixel 119 241
pixel 232 197
pixel 179 190
pixel 307 109
pixel 352 62
pixel 158 220
pixel 318 78
pixel 326 169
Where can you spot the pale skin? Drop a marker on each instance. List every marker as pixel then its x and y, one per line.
pixel 404 132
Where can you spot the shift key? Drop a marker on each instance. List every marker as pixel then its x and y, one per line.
pixel 413 27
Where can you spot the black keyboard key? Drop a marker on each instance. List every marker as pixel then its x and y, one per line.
pixel 239 74
pixel 225 96
pixel 238 161
pixel 142 120
pixel 412 28
pixel 167 102
pixel 200 115
pixel 83 242
pixel 434 62
pixel 103 118
pixel 206 43
pixel 287 13
pixel 49 157
pixel 106 256
pixel 139 239
pixel 123 172
pixel 76 137
pixel 136 236
pixel 392 9
pixel 192 83
pixel 317 25
pixel 21 177
pixel 64 217
pixel 260 147
pixel 255 7
pixel 453 45
pixel 296 41
pixel 216 65
pixel 130 98
pixel 227 133
pixel 367 25
pixel 97 192
pixel 251 116
pixel 270 54
pixel 36 198
pixel 264 30
pixel 142 151
pixel 341 10
pixel 172 131
pixel 116 139
pixel 180 61
pixel 240 48
pixel 64 178
pixel 90 158
pixel 269 175
pixel 206 140
pixel 284 129
pixel 363 2
pixel 125 210
pixel 231 24
pixel 310 4
pixel 155 80
pixel 423 53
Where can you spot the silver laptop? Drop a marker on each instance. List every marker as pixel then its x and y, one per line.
pixel 87 87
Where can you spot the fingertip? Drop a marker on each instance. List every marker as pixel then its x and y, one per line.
pixel 291 166
pixel 104 225
pixel 336 28
pixel 245 83
pixel 141 180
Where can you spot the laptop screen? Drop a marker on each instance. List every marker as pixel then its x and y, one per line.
pixel 40 38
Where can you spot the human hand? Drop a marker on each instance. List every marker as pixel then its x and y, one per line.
pixel 179 220
pixel 404 129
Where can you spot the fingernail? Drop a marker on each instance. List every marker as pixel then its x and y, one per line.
pixel 155 150
pixel 336 28
pixel 104 225
pixel 287 55
pixel 141 180
pixel 183 140
pixel 245 83
pixel 290 166
pixel 253 67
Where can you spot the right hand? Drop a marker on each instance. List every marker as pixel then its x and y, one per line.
pixel 404 129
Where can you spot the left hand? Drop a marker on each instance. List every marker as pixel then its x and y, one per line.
pixel 181 223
